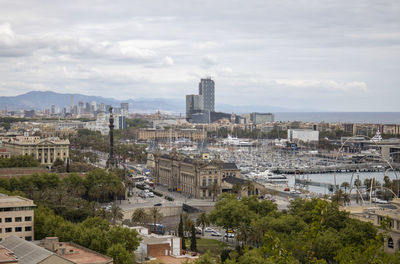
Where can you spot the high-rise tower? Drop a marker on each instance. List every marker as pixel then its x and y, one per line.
pixel 207 95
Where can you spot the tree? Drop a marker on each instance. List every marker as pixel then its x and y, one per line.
pixel 140 216
pixel 345 185
pixel 180 233
pixel 229 213
pixel 193 246
pixel 119 254
pixel 67 169
pixel 155 214
pixel 214 189
pixel 203 221
pixel 249 187
pixel 237 189
pixel 116 213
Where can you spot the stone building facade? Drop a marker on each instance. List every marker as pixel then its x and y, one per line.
pixel 170 134
pixel 195 178
pixel 46 151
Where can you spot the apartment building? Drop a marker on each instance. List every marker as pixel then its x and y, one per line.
pixel 16 217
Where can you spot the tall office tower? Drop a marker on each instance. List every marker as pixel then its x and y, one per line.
pixel 87 108
pixel 192 104
pixel 53 109
pixel 207 95
pixel 72 104
pixel 125 107
pixel 101 107
pixel 93 105
pixel 81 108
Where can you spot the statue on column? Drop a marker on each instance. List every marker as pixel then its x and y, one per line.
pixel 111 162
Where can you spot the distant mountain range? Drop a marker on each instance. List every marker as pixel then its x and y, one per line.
pixel 39 100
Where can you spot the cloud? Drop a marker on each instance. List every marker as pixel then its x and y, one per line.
pixel 12 45
pixel 293 53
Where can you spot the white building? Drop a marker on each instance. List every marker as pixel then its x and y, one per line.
pixel 305 135
pixel 102 122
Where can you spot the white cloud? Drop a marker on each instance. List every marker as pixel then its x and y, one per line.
pixel 289 53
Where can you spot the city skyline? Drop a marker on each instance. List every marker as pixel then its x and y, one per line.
pixel 328 56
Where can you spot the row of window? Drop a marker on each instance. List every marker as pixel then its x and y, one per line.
pixel 20 208
pixel 210 181
pixel 16 229
pixel 17 219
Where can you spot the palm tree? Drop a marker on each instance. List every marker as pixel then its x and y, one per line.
pixel 345 185
pixel 203 221
pixel 116 213
pixel 237 188
pixel 214 189
pixel 103 214
pixel 140 216
pixel 155 214
pixel 249 187
pixel 357 183
pixel 187 223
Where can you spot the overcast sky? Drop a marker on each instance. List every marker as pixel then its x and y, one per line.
pixel 325 55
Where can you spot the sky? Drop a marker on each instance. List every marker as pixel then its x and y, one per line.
pixel 340 55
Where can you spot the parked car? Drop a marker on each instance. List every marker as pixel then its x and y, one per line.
pixel 150 194
pixel 215 233
pixel 209 229
pixel 230 235
pixel 157 204
pixel 199 231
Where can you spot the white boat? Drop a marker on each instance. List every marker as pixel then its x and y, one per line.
pixel 377 137
pixel 277 178
pixel 240 142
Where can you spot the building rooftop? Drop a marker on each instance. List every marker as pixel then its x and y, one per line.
pixel 7 256
pixel 11 201
pixel 82 255
pixel 229 166
pixel 26 252
pixel 156 239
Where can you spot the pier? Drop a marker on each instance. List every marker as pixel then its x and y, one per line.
pixel 358 167
pixel 329 186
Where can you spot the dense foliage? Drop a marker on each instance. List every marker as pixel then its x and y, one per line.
pixel 90 140
pixel 310 231
pixel 94 233
pixel 19 161
pixel 70 196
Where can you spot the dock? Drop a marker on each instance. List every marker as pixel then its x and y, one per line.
pixel 329 186
pixel 357 167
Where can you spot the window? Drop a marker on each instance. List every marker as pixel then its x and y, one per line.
pixel 8 230
pixel 28 228
pixel 1 220
pixel 28 218
pixel 1 230
pixel 18 229
pixel 18 219
pixel 204 182
pixel 209 181
pixel 204 193
pixel 28 238
pixel 8 219
pixel 216 181
pixel 390 242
